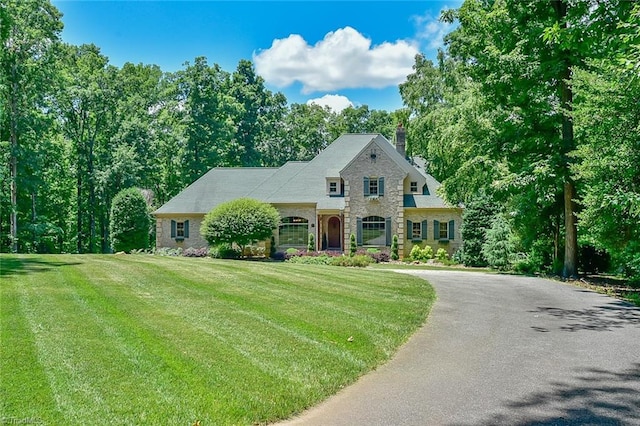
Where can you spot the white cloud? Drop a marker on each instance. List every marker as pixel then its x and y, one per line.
pixel 342 59
pixel 431 30
pixel 336 102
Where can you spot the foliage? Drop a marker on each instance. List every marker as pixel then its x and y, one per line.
pixel 272 247
pixel 224 251
pixel 498 248
pixel 394 248
pixel 353 247
pixel 169 251
pixel 240 222
pixel 130 221
pixel 358 260
pixel 476 219
pixel 196 252
pixel 442 255
pixel 419 254
pixel 311 243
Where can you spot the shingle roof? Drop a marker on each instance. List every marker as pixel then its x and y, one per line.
pixel 217 186
pixel 295 182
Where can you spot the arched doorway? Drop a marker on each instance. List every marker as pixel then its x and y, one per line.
pixel 334 239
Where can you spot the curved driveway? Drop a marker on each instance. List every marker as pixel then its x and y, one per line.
pixel 500 349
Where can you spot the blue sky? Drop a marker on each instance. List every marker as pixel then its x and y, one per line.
pixel 329 52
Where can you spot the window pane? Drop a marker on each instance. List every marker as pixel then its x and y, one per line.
pixel 294 231
pixel 416 233
pixel 373 231
pixel 179 229
pixel 373 186
pixel 444 230
pixel 414 186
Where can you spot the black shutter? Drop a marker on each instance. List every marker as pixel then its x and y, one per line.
pixel 451 230
pixel 366 186
pixel 359 231
pixel 409 230
pixel 381 186
pixel 425 224
pixel 173 229
pixel 436 230
pixel 387 228
pixel 186 229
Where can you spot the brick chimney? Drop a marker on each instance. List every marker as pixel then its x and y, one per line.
pixel 401 140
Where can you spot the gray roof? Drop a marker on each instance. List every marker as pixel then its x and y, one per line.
pixel 295 182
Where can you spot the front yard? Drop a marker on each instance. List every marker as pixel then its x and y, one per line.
pixel 138 339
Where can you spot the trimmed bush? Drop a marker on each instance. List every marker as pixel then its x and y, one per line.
pixel 130 221
pixel 421 254
pixel 394 248
pixel 239 222
pixel 311 243
pixel 353 246
pixel 442 255
pixel 358 260
pixel 272 248
pixel 498 248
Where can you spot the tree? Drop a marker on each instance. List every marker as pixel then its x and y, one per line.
pixel 29 32
pixel 241 222
pixel 498 247
pixel 130 221
pixel 477 218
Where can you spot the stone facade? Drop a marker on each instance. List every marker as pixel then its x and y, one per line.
pixel 163 232
pixel 373 163
pixel 430 215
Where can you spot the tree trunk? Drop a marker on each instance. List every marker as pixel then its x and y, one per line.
pixel 13 217
pixel 570 268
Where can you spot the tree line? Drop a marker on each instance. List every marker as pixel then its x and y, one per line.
pixel 76 130
pixel 531 113
pixel 529 117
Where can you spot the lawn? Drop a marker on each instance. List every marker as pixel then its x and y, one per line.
pixel 138 339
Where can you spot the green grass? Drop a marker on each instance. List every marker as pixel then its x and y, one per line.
pixel 99 339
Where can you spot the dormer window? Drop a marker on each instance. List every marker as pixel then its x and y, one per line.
pixel 414 187
pixel 333 187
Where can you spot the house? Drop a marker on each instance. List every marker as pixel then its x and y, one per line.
pixel 360 184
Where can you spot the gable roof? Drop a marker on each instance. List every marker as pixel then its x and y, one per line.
pixel 295 182
pixel 217 186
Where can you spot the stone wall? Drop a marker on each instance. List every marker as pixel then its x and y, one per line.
pixel 441 215
pixel 388 205
pixel 163 232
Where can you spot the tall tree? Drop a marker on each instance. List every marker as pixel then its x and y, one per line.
pixel 28 34
pixel 522 54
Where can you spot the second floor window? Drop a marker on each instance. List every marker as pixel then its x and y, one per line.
pixel 333 187
pixel 414 186
pixel 373 186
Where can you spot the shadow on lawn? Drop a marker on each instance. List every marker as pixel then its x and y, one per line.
pixel 10 266
pixel 594 397
pixel 614 315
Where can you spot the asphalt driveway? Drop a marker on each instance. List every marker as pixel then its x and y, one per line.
pixel 503 350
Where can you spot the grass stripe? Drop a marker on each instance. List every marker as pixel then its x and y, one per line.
pixel 146 339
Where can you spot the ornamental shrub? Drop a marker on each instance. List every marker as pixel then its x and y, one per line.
pixel 311 243
pixel 239 222
pixel 498 248
pixel 129 222
pixel 442 255
pixel 421 254
pixel 353 246
pixel 394 248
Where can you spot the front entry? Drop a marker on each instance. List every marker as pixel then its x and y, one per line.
pixel 334 239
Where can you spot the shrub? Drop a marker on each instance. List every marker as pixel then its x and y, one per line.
pixel 394 248
pixel 224 251
pixel 380 256
pixel 359 260
pixel 272 247
pixel 240 222
pixel 323 259
pixel 476 219
pixel 279 255
pixel 167 251
pixel 311 243
pixel 421 254
pixel 253 251
pixel 353 246
pixel 498 248
pixel 129 221
pixel 196 252
pixel 442 255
